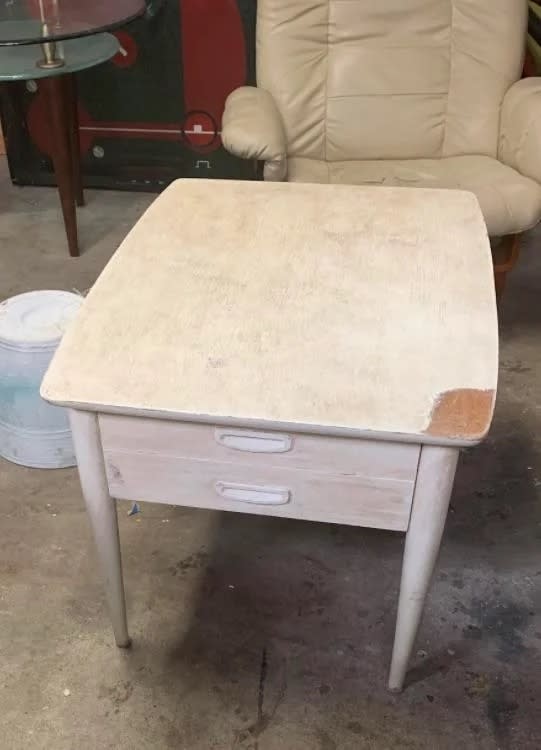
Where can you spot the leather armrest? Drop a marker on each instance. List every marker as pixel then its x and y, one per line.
pixel 520 128
pixel 252 127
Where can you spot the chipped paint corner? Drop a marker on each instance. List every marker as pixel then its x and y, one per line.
pixel 463 413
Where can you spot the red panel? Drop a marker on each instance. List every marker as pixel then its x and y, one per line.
pixel 129 52
pixel 213 60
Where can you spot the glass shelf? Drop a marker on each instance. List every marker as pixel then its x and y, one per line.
pixel 38 21
pixel 23 63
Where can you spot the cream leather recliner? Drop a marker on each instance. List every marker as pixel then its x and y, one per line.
pixel 421 93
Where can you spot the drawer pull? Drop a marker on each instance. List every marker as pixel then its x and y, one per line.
pixel 253 442
pixel 255 494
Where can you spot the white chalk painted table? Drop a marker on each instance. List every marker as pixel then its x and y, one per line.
pixel 310 351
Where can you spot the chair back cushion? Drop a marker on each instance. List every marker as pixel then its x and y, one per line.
pixel 386 79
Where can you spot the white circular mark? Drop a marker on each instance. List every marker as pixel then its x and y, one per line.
pixel 98 152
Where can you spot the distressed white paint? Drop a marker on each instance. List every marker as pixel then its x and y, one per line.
pixel 437 468
pixel 315 452
pixel 296 309
pixel 327 307
pixel 358 500
pixel 101 509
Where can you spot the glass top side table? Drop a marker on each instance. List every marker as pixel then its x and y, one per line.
pixel 51 40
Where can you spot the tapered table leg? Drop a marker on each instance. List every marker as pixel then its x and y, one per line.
pixel 70 83
pixel 55 92
pixel 435 479
pixel 101 509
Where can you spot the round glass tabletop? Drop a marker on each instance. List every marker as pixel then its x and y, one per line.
pixel 35 21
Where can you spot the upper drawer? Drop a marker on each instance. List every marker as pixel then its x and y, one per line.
pixel 368 458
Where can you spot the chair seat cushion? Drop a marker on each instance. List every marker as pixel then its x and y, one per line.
pixel 510 202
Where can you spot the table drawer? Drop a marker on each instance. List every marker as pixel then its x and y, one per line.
pixel 366 458
pixel 289 492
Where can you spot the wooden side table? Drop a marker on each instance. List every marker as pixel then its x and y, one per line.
pixel 19 63
pixel 262 348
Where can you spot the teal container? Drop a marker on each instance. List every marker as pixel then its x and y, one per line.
pixel 32 432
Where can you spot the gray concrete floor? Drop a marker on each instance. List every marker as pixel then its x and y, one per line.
pixel 264 634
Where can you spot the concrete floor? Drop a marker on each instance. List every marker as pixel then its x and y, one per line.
pixel 264 634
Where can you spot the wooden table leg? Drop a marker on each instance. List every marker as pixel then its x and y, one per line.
pixel 70 83
pixel 101 509
pixel 55 93
pixel 433 489
pixel 505 256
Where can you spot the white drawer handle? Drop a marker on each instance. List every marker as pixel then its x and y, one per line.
pixel 253 442
pixel 252 493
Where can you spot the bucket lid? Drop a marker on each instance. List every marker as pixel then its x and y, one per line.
pixel 37 318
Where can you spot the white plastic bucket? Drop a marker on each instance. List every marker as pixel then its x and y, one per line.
pixel 32 432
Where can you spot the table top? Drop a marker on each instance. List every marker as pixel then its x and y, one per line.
pixel 21 63
pixel 334 309
pixel 31 21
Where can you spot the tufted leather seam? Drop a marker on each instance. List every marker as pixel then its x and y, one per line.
pixel 327 80
pixel 449 88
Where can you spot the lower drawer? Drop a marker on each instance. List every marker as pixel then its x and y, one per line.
pixel 294 493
